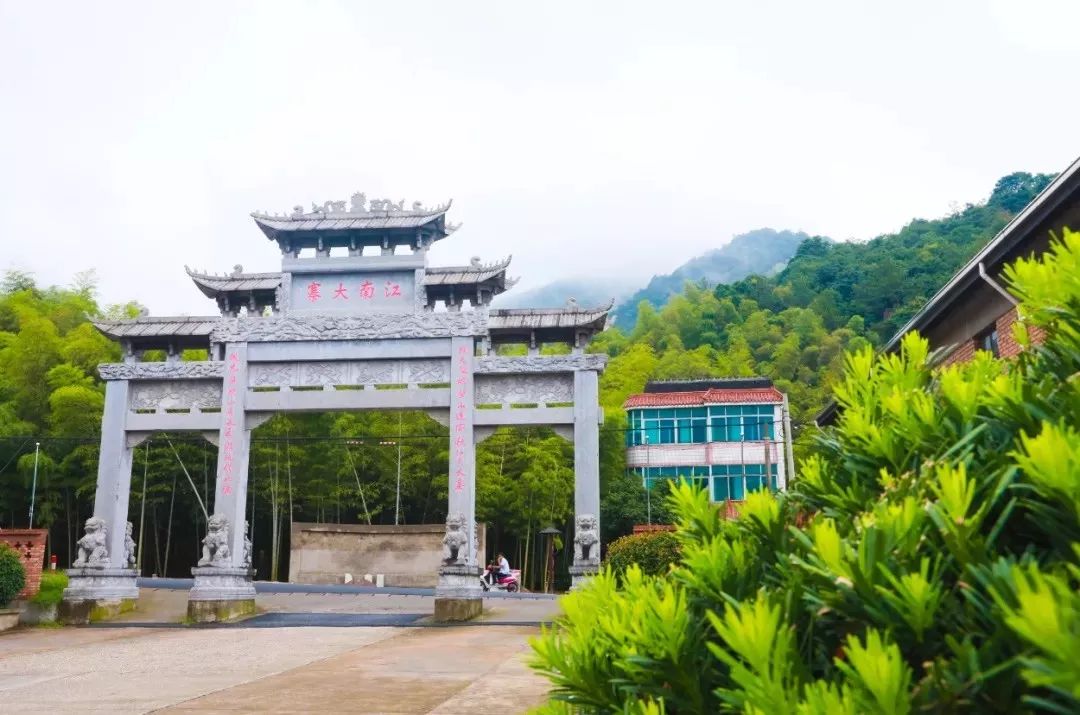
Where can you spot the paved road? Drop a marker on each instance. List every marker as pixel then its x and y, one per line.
pixel 278 587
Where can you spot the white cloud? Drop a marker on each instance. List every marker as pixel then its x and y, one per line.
pixel 582 138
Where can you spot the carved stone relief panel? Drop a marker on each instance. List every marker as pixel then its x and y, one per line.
pixel 324 373
pixel 160 370
pixel 175 395
pixel 272 374
pixel 349 372
pixel 523 389
pixel 351 327
pixel 374 372
pixel 421 372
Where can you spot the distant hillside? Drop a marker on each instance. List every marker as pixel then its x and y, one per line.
pixel 588 292
pixel 761 252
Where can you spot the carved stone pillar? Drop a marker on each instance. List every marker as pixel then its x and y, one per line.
pixel 223 587
pixel 586 476
pixel 458 595
pixel 100 582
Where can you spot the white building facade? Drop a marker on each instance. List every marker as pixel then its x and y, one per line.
pixel 730 436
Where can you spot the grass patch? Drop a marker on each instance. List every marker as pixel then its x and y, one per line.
pixel 395 386
pixel 307 388
pixel 52 588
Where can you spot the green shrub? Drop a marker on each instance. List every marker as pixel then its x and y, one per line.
pixel 653 552
pixel 926 559
pixel 52 588
pixel 12 575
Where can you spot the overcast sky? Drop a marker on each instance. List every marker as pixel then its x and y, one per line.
pixel 584 138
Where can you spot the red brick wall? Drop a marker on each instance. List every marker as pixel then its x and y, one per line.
pixel 646 528
pixel 30 545
pixel 1007 345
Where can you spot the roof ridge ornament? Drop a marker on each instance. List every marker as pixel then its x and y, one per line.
pixel 358 205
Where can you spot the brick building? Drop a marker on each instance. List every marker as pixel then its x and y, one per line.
pixel 731 436
pixel 974 310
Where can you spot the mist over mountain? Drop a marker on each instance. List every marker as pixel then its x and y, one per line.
pixel 587 291
pixel 762 251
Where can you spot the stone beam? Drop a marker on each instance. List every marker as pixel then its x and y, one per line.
pixel 492 365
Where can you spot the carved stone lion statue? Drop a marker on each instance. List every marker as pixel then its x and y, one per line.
pixel 455 539
pixel 247 546
pixel 92 546
pixel 129 547
pixel 215 550
pixel 587 540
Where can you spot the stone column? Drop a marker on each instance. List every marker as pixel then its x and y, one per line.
pixel 223 585
pixel 101 583
pixel 586 476
pixel 458 594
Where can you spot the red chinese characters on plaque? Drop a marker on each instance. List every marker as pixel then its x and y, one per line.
pixel 366 292
pixel 459 419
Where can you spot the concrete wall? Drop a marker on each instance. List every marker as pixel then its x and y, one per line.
pixel 406 555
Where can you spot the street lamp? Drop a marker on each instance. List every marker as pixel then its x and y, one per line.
pixel 33 489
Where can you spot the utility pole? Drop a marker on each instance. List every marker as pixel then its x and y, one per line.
pixel 648 488
pixel 33 489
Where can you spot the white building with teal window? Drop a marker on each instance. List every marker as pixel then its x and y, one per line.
pixel 732 436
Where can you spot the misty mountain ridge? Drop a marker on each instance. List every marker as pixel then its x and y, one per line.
pixel 763 251
pixel 587 291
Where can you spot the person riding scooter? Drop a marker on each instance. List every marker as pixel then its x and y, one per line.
pixel 498 575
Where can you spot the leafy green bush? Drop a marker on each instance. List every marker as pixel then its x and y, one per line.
pixel 12 575
pixel 653 552
pixel 926 559
pixel 52 588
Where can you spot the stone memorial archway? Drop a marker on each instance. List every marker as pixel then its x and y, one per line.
pixel 328 333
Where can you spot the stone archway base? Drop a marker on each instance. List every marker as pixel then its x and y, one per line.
pixel 448 610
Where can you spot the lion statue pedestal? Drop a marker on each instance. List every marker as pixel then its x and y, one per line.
pixel 586 550
pixel 223 590
pixel 96 590
pixel 458 595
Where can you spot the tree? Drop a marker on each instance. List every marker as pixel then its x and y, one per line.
pixel 925 561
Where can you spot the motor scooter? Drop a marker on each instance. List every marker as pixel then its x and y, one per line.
pixel 490 581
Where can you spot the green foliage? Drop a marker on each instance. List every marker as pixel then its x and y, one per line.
pixel 653 552
pixel 52 588
pixel 927 559
pixel 12 575
pixel 796 325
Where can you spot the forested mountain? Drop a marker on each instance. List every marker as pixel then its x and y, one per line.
pixel 793 326
pixel 761 252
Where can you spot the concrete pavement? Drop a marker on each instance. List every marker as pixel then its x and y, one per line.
pixel 279 668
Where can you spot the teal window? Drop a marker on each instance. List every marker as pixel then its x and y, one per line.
pixel 736 423
pixel 735 481
pixel 668 426
pixel 721 481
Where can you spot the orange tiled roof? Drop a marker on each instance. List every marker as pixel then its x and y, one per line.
pixel 755 395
